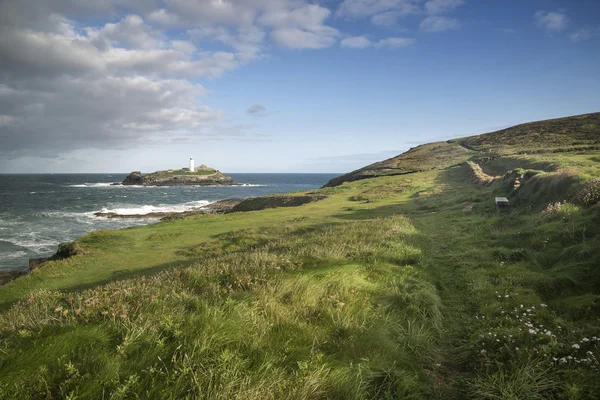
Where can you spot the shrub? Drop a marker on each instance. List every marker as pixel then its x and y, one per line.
pixel 589 193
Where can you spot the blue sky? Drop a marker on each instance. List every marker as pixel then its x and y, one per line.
pixel 280 85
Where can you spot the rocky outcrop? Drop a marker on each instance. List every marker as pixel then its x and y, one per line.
pixel 65 250
pixel 218 207
pixel 275 201
pixel 7 276
pixel 203 176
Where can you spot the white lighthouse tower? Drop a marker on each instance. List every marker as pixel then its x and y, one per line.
pixel 191 164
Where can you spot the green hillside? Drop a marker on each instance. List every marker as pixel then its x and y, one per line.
pixel 408 285
pixel 580 132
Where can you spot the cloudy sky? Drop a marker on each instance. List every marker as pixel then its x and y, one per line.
pixel 279 85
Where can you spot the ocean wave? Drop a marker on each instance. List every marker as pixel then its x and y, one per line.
pixel 13 254
pixel 31 242
pixel 162 208
pixel 93 185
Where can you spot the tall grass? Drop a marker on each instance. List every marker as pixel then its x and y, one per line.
pixel 331 312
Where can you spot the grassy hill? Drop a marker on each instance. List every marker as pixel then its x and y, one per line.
pixel 557 135
pixel 400 286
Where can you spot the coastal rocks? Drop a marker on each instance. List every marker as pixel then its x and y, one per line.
pixel 7 276
pixel 275 201
pixel 65 250
pixel 134 178
pixel 202 176
pixel 218 207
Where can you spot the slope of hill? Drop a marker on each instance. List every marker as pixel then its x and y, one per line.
pixel 555 135
pixel 405 286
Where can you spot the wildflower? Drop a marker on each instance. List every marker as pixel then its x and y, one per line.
pixel 506 296
pixel 576 346
pixel 543 305
pixel 482 352
pixel 548 333
pixel 589 353
pixel 516 348
pixel 585 339
pixel 563 360
pixel 532 331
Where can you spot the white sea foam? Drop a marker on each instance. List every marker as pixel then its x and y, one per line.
pixel 93 185
pixel 147 209
pixel 31 242
pixel 13 255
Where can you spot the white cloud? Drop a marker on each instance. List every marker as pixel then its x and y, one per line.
pixel 257 110
pixel 131 31
pixel 66 84
pixel 585 34
pixel 163 17
pixel 395 42
pixel 366 8
pixel 357 42
pixel 295 38
pixel 301 28
pixel 551 21
pixel 439 24
pixel 442 6
pixel 388 18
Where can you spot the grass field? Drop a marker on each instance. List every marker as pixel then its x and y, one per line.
pixel 200 172
pixel 397 287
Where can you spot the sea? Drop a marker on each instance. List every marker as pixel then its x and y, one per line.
pixel 37 212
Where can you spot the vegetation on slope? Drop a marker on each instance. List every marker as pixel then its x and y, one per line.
pixel 406 286
pixel 580 132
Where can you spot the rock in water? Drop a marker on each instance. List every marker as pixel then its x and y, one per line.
pixel 202 176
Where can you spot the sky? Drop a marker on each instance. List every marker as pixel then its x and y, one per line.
pixel 279 85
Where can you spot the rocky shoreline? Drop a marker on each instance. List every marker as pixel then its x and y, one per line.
pixel 218 207
pixel 70 249
pixel 65 250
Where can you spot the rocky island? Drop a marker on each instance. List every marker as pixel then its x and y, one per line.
pixel 200 176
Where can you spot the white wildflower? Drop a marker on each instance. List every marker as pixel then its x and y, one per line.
pixel 576 346
pixel 543 305
pixel 585 339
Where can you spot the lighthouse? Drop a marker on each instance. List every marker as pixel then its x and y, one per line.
pixel 191 164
